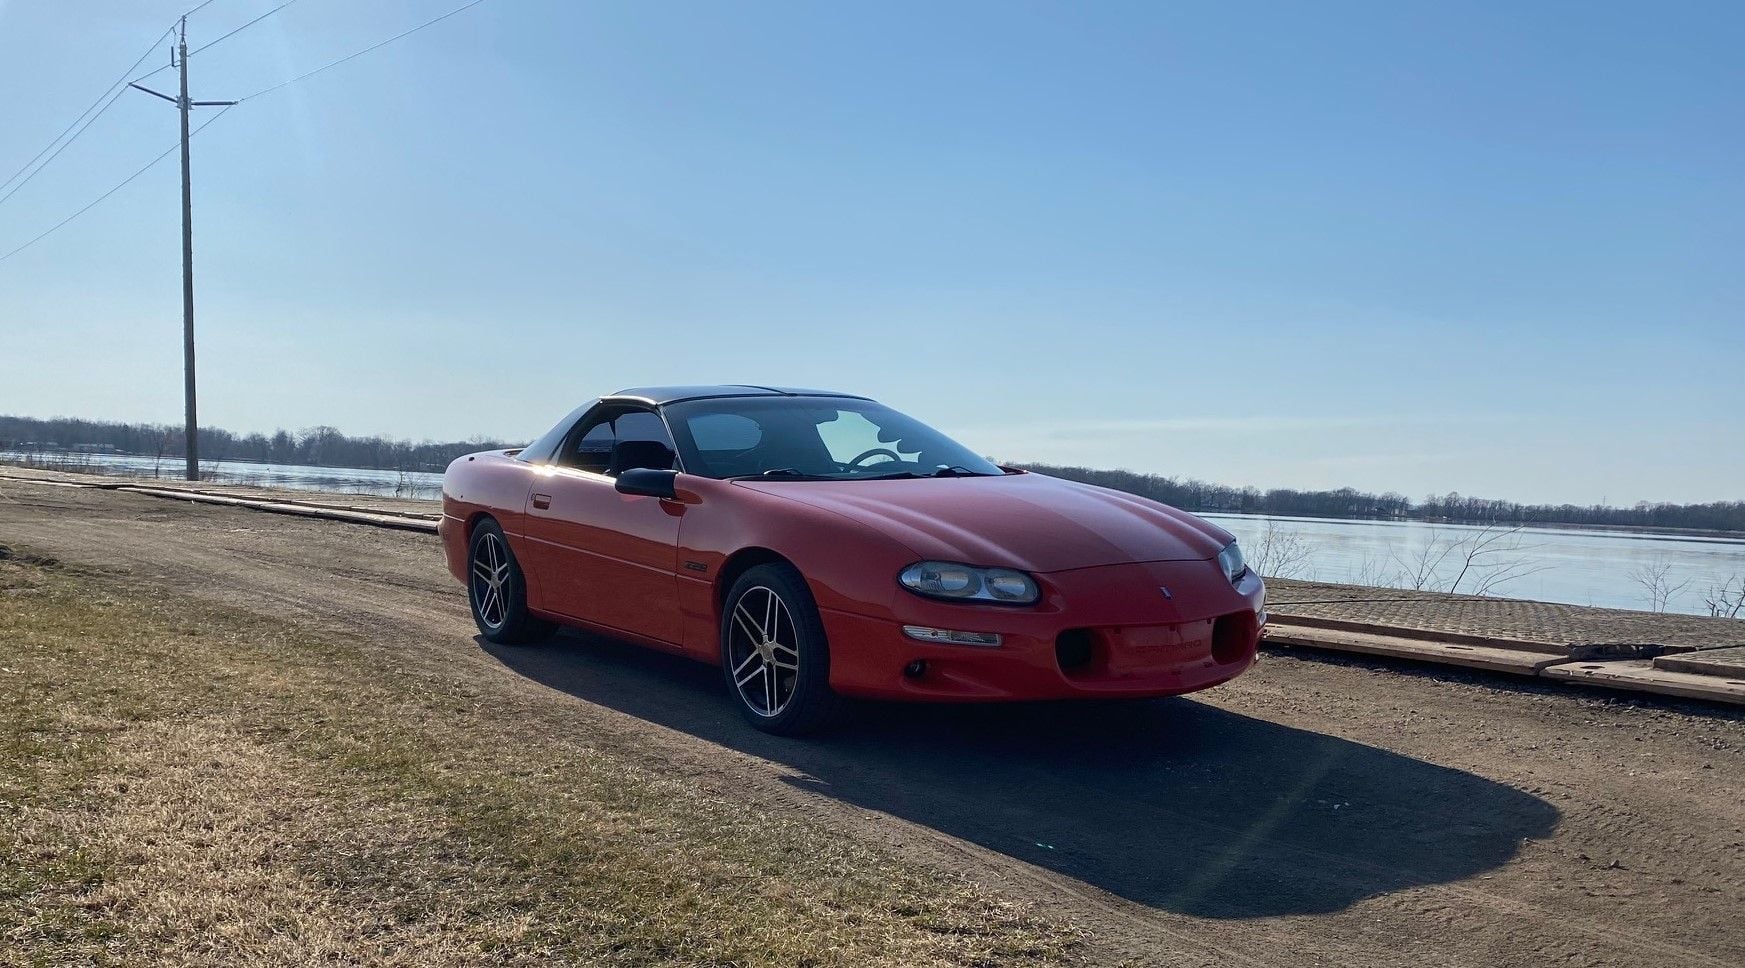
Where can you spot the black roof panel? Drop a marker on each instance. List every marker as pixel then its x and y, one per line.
pixel 660 396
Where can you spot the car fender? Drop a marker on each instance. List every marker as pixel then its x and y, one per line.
pixel 848 566
pixel 489 483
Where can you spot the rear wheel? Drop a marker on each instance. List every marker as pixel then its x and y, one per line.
pixel 773 652
pixel 498 590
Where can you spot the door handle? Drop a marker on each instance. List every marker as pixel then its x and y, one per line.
pixel 542 501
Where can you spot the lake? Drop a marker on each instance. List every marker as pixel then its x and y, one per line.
pixel 1577 566
pixel 347 480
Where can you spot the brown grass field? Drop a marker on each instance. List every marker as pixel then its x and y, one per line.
pixel 229 737
pixel 181 784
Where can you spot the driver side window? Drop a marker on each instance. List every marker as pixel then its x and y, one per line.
pixel 603 437
pixel 593 449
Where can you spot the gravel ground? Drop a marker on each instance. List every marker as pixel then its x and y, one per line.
pixel 1314 811
pixel 1431 611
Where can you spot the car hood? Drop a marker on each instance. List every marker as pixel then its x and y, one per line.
pixel 1026 521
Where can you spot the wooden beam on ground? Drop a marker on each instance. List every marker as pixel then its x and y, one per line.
pixel 1490 657
pixel 1640 675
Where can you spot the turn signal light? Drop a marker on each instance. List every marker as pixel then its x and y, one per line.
pixel 922 633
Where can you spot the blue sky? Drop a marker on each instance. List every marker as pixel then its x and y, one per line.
pixel 1493 248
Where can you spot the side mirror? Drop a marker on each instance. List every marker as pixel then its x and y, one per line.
pixel 648 482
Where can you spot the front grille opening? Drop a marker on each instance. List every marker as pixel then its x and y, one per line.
pixel 1075 649
pixel 1233 637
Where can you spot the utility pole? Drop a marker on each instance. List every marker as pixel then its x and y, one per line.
pixel 191 423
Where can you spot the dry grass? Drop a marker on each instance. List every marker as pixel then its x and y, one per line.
pixel 185 786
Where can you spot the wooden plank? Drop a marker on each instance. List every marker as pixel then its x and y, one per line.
pixel 180 489
pixel 1426 635
pixel 1641 676
pixel 425 525
pixel 56 482
pixel 1516 661
pixel 1728 663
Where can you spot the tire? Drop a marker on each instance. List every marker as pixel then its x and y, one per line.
pixel 774 656
pixel 497 590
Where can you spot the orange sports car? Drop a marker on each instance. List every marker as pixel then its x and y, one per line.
pixel 819 545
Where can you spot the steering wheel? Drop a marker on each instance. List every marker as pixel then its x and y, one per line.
pixel 876 451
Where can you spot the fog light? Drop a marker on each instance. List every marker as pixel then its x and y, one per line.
pixel 921 633
pixel 915 670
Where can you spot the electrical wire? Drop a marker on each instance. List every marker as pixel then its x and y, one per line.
pixel 159 70
pixel 240 29
pixel 123 184
pixel 366 50
pixel 114 90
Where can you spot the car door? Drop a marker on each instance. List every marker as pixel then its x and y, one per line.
pixel 603 557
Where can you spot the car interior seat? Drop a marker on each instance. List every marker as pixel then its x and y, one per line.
pixel 652 454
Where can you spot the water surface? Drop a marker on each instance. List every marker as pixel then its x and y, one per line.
pixel 1577 566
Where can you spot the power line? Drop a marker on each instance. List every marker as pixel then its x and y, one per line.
pixel 123 184
pixel 151 73
pixel 124 79
pixel 240 29
pixel 113 93
pixel 113 89
pixel 360 53
pixel 202 6
pixel 202 127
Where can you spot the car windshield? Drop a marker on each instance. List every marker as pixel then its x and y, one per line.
pixel 814 438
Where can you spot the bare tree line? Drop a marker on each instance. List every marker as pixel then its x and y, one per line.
pixel 328 447
pixel 1345 502
pixel 314 446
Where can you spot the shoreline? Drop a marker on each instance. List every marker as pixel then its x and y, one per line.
pixel 428 500
pixel 1623 530
pixel 1644 652
pixel 80 462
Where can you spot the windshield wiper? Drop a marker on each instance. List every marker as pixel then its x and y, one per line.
pixel 785 473
pixel 952 471
pixel 795 474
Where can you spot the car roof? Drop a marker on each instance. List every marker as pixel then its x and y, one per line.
pixel 660 396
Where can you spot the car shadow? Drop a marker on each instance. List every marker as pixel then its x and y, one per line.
pixel 1171 803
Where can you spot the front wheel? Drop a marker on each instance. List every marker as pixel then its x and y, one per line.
pixel 774 654
pixel 498 590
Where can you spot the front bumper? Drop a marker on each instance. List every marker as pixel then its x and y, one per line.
pixel 452 532
pixel 1105 632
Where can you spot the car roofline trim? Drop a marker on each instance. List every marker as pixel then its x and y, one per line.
pixel 766 392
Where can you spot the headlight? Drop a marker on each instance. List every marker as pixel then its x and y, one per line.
pixel 967 583
pixel 1230 559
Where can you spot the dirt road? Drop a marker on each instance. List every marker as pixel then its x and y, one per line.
pixel 1313 812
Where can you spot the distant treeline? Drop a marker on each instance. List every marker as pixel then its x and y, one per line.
pixel 327 447
pixel 316 446
pixel 1191 495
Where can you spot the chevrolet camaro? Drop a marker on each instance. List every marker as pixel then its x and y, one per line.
pixel 819 545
